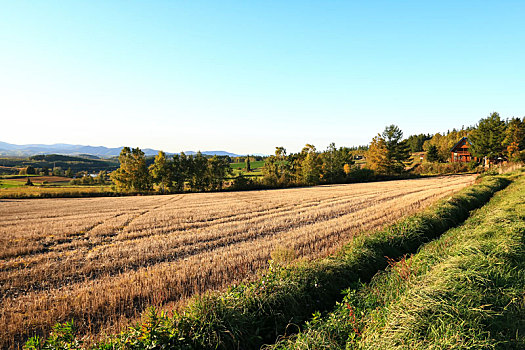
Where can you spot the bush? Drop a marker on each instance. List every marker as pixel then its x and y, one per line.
pixel 360 174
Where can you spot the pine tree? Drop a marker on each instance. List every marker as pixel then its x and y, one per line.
pixel 388 153
pixel 432 154
pixel 248 165
pixel 487 138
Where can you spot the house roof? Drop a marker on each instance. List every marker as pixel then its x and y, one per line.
pixel 464 138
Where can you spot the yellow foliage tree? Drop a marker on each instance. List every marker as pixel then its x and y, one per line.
pixel 377 159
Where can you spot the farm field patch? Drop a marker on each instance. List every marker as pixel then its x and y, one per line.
pixel 102 261
pixel 39 179
pixel 254 164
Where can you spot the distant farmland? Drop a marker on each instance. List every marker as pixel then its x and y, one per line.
pixel 102 261
pixel 254 165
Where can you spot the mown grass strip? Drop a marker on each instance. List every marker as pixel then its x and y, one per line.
pixel 249 315
pixel 465 290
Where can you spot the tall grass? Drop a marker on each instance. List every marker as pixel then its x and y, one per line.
pixel 462 291
pixel 251 314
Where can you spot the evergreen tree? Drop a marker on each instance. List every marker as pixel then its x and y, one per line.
pixel 248 165
pixel 415 142
pixel 388 153
pixel 432 154
pixel 487 138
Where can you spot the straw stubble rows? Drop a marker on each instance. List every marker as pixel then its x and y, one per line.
pixel 102 261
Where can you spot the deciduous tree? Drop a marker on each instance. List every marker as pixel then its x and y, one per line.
pixel 514 138
pixel 311 165
pixel 133 174
pixel 161 172
pixel 199 172
pixel 218 169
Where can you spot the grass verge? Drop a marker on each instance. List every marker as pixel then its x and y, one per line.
pixel 465 290
pixel 249 315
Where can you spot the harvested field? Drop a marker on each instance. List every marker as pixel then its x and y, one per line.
pixel 42 179
pixel 102 261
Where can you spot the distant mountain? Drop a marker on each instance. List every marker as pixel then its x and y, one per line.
pixel 8 149
pixel 213 153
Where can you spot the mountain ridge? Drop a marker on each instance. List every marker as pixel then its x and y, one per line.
pixel 8 149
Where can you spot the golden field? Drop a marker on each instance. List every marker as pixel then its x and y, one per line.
pixel 102 261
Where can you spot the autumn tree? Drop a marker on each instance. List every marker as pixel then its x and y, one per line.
pixel 388 153
pixel 133 174
pixel 311 165
pixel 376 158
pixel 514 138
pixel 161 172
pixel 102 177
pixel 487 138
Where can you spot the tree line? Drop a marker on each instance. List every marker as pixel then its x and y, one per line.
pixel 388 154
pixel 309 167
pixel 197 173
pixel 493 138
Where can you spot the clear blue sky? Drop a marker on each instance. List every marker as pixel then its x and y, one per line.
pixel 246 76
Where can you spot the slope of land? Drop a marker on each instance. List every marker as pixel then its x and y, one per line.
pixel 102 261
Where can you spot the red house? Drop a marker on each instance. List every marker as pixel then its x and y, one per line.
pixel 460 152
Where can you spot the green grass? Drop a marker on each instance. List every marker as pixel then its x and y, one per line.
pixel 465 290
pixel 5 183
pixel 256 169
pixel 254 165
pixel 239 169
pixel 249 315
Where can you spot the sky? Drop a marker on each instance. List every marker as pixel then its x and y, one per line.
pixel 247 76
